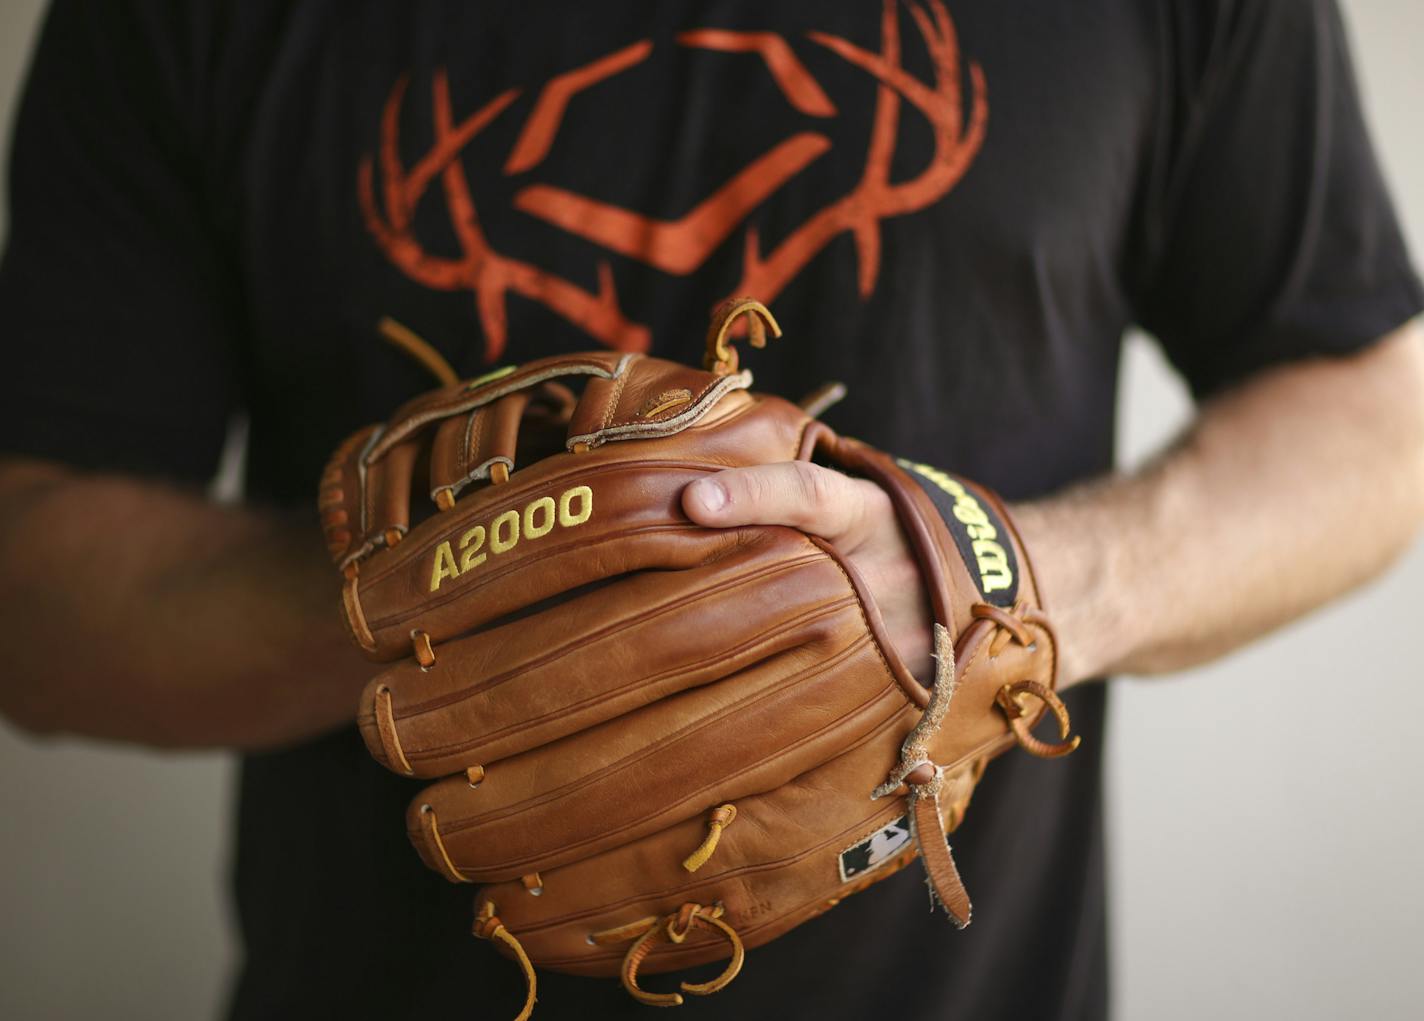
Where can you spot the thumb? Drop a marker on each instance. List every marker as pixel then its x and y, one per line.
pixel 797 494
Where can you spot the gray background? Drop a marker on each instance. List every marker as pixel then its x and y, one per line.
pixel 1264 813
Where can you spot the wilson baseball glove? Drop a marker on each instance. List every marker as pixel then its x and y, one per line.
pixel 655 744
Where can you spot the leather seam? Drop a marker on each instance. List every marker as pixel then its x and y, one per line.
pixel 828 610
pixel 752 869
pixel 549 656
pixel 701 724
pixel 633 824
pixel 603 634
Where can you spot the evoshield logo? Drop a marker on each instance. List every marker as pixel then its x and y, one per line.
pixel 468 160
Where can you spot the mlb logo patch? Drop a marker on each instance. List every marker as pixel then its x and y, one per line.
pixel 876 849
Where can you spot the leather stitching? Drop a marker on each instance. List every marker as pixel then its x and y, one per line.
pixel 475 426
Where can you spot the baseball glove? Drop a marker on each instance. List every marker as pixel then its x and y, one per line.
pixel 655 744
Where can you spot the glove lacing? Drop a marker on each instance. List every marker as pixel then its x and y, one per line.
pixel 673 928
pixel 927 781
pixel 488 926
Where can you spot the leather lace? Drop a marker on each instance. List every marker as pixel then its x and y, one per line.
pixel 927 781
pixel 1011 698
pixel 647 933
pixel 488 926
pixel 718 821
pixel 418 348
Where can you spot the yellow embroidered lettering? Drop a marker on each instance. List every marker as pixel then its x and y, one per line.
pixel 994 573
pixel 967 510
pixel 542 506
pixel 538 518
pixel 444 566
pixel 568 517
pixel 509 521
pixel 992 561
pixel 472 542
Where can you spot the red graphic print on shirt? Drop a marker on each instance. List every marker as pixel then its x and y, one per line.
pixel 389 190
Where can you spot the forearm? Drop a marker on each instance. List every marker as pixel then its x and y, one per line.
pixel 1286 492
pixel 143 613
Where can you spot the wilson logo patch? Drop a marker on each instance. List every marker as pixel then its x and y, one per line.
pixel 981 537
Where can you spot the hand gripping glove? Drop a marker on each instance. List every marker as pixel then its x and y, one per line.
pixel 655 744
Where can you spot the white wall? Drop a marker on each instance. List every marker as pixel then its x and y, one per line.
pixel 1265 813
pixel 113 862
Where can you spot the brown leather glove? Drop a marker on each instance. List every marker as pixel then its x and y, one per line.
pixel 655 744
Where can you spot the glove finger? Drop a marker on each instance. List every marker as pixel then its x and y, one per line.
pixel 597 789
pixel 458 398
pixel 817 818
pixel 340 497
pixel 550 533
pixel 646 401
pixel 385 514
pixel 476 446
pixel 786 854
pixel 598 656
pixel 366 507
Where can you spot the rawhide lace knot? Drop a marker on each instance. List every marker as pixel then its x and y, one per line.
pixel 488 926
pixel 720 818
pixel 721 357
pixel 674 929
pixel 925 780
pixel 1012 699
pixel 1011 625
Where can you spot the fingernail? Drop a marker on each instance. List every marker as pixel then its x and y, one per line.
pixel 712 495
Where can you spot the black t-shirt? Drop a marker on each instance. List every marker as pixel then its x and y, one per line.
pixel 956 211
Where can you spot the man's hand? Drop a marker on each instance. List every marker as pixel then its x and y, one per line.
pixel 1288 490
pixel 853 515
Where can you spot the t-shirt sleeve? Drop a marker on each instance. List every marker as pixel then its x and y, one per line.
pixel 1269 233
pixel 117 311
